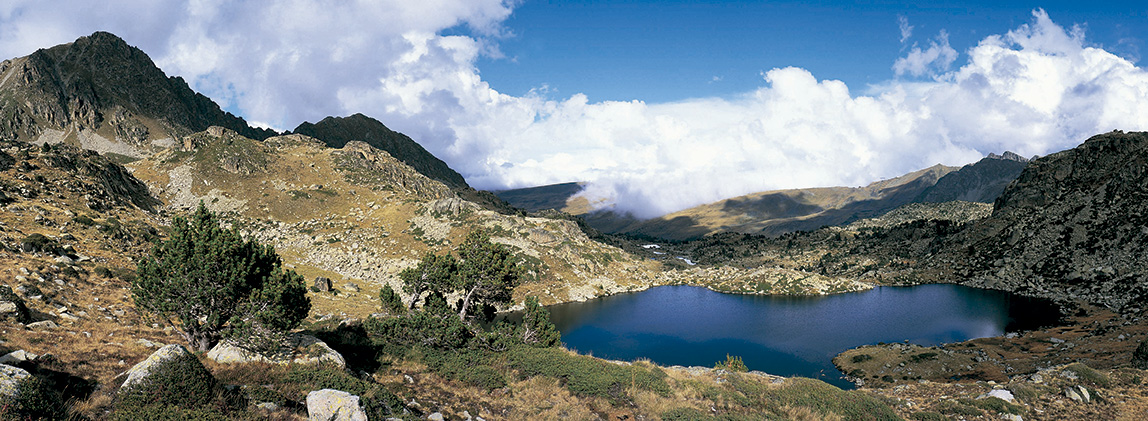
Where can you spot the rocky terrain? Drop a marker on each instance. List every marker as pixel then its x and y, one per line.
pixel 99 149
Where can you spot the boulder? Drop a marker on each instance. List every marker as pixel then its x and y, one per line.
pixel 17 357
pixel 323 284
pixel 171 375
pixel 303 349
pixel 334 405
pixel 12 306
pixel 1003 394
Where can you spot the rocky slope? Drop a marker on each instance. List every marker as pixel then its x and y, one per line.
pixel 337 131
pixel 1072 226
pixel 982 181
pixel 102 94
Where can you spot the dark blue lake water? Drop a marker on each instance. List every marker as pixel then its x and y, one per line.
pixel 788 336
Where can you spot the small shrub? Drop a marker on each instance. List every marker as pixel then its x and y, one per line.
pixel 1089 374
pixel 958 408
pixel 376 401
pixel 166 413
pixel 732 363
pixel 860 358
pixel 390 301
pixel 924 356
pixel 182 381
pixel 1140 356
pixel 38 243
pixel 1025 392
pixel 928 416
pixel 994 404
pixel 685 414
pixel 34 399
pixel 83 220
pixel 827 399
pixel 587 376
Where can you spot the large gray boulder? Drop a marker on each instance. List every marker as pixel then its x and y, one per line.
pixel 302 349
pixel 334 405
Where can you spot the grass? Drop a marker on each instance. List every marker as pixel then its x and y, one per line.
pixel 588 376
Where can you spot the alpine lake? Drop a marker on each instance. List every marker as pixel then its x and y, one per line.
pixel 787 335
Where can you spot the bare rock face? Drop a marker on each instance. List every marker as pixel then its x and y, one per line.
pixel 1072 226
pixel 334 405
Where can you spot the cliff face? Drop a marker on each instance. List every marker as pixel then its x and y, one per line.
pixel 101 84
pixel 1074 225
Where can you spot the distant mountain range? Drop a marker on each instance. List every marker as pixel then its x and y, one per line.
pixel 777 212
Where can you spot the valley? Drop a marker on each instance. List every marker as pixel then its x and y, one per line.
pixel 99 150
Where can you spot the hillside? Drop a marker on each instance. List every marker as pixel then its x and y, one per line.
pixel 982 181
pixel 337 131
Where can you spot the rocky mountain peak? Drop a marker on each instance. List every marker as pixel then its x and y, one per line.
pixel 104 86
pixel 1010 156
pixel 338 131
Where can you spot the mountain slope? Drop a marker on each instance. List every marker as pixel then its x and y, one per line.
pixel 337 131
pixel 982 181
pixel 1072 226
pixel 777 212
pixel 103 94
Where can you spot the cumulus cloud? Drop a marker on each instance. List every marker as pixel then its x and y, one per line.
pixel 1034 90
pixel 931 61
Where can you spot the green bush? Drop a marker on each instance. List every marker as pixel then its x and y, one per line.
pixel 826 398
pixel 958 408
pixel 166 413
pixel 924 356
pixel 1025 392
pixel 34 399
pixel 860 358
pixel 928 416
pixel 435 325
pixel 732 363
pixel 994 404
pixel 38 243
pixel 1089 374
pixel 685 414
pixel 587 376
pixel 1140 356
pixel 83 220
pixel 536 328
pixel 390 301
pixel 378 402
pixel 181 381
pixel 468 366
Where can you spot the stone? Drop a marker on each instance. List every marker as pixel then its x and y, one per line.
pixel 7 307
pixel 46 324
pixel 65 260
pixel 1003 394
pixel 323 284
pixel 10 379
pixel 334 405
pixel 161 357
pixel 1011 417
pixel 17 356
pixel 1071 394
pixel 269 406
pixel 437 416
pixel 304 349
pixel 1084 394
pixel 351 287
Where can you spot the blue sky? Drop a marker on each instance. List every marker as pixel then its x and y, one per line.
pixel 657 105
pixel 660 51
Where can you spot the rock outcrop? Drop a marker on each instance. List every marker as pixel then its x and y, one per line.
pixel 170 375
pixel 1074 225
pixel 302 349
pixel 334 405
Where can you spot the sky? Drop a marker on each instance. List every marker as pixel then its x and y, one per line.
pixel 658 105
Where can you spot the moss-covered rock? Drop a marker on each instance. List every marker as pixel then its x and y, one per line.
pixel 170 376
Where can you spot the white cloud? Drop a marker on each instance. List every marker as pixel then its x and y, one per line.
pixel 905 27
pixel 1035 90
pixel 932 61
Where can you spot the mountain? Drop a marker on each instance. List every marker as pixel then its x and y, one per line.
pixel 982 181
pixel 534 199
pixel 337 131
pixel 1071 226
pixel 100 93
pixel 777 212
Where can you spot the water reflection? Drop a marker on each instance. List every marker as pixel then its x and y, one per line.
pixel 681 325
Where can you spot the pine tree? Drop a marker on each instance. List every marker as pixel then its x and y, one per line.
pixel 486 273
pixel 206 281
pixel 536 328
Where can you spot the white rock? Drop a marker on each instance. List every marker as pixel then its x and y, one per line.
pixel 17 356
pixel 334 405
pixel 1003 394
pixel 46 324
